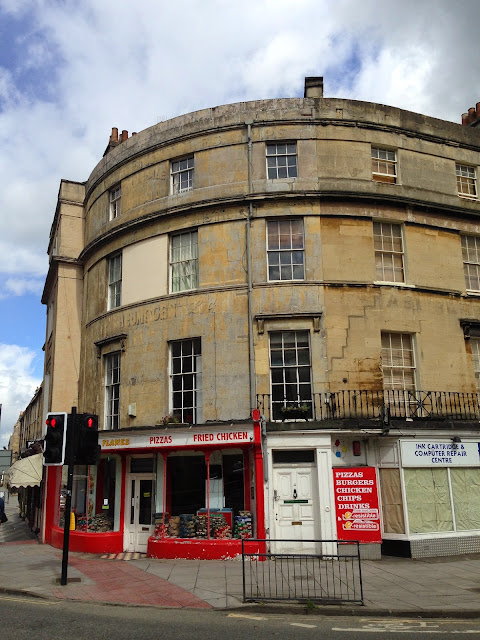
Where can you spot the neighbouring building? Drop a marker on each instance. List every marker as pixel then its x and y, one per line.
pixel 14 440
pixel 316 259
pixel 25 476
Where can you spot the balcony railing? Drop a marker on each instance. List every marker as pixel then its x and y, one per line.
pixel 370 404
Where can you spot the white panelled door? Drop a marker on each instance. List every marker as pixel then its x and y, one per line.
pixel 295 500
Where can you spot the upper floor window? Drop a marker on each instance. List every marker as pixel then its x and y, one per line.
pixel 186 380
pixel 184 261
pixel 115 202
pixel 290 371
pixel 471 262
pixel 50 315
pixel 285 250
pixel 466 181
pixel 182 175
pixel 384 165
pixel 388 243
pixel 281 160
pixel 112 391
pixel 475 342
pixel 115 281
pixel 398 361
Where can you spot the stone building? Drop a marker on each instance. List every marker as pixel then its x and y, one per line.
pixel 315 258
pixel 14 440
pixel 26 473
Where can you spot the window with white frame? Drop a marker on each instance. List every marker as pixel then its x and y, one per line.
pixel 115 202
pixel 388 244
pixel 471 262
pixel 442 499
pixel 182 175
pixel 281 160
pixel 475 342
pixel 466 181
pixel 290 370
pixel 112 391
pixel 285 249
pixel 184 261
pixel 115 281
pixel 398 361
pixel 186 380
pixel 384 165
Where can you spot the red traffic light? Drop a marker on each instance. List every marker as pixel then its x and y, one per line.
pixel 55 439
pixel 89 422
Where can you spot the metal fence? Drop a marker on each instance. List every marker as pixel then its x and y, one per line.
pixel 373 404
pixel 327 578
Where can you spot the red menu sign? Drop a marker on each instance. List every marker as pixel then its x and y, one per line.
pixel 356 504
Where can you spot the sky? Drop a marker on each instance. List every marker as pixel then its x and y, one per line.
pixel 70 70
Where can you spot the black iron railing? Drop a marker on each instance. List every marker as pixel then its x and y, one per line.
pixel 328 578
pixel 372 404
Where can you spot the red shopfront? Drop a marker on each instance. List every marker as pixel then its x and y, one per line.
pixel 182 492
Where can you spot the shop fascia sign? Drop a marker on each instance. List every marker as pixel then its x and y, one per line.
pixel 435 453
pixel 198 438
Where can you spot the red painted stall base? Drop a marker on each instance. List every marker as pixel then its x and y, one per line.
pixel 190 549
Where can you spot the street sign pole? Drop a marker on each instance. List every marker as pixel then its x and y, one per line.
pixel 70 455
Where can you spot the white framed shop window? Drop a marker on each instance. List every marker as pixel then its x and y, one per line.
pixel 442 486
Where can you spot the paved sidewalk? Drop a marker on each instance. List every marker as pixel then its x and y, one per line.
pixel 422 588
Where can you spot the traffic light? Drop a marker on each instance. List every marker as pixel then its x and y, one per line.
pixel 88 449
pixel 55 439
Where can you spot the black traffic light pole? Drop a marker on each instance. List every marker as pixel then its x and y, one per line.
pixel 71 440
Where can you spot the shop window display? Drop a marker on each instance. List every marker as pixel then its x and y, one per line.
pixel 204 499
pixel 93 497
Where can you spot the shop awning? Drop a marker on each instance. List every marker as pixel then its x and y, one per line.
pixel 26 472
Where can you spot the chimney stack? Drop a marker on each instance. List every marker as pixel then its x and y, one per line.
pixel 113 141
pixel 313 87
pixel 472 117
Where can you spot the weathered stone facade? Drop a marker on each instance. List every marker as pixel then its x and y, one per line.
pixel 335 196
pixel 339 301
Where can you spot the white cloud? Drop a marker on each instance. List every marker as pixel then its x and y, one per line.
pixel 80 68
pixel 17 385
pixel 85 67
pixel 21 286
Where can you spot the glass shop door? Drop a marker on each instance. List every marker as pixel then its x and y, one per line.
pixel 139 511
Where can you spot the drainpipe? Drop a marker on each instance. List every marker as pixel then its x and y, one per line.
pixel 249 269
pixel 250 288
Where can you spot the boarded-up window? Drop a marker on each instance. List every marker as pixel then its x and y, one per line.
pixel 466 498
pixel 392 503
pixel 428 500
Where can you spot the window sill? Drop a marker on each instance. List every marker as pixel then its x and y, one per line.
pixel 402 285
pixel 378 181
pixel 466 197
pixel 473 293
pixel 181 193
pixel 180 291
